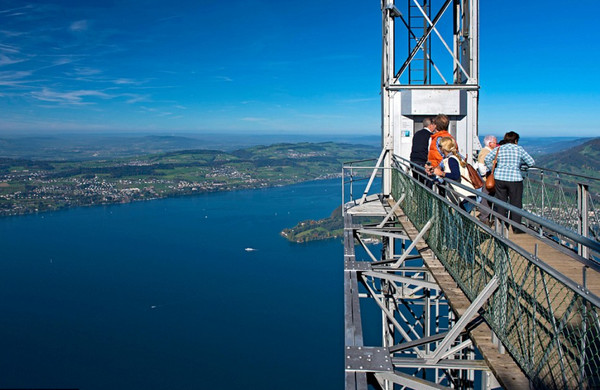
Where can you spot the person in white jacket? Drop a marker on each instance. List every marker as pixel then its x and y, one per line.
pixel 454 167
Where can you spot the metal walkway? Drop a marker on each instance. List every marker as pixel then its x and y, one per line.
pixel 464 305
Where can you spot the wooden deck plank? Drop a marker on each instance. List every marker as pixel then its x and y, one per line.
pixel 561 262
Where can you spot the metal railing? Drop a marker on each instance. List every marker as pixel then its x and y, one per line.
pixel 567 199
pixel 550 324
pixel 353 172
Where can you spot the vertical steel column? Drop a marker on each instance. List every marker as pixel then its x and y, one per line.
pixel 387 325
pixel 583 214
pixel 473 59
pixel 387 74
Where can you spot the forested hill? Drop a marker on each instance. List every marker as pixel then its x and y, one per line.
pixel 582 159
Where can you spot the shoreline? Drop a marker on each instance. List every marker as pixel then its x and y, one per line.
pixel 172 196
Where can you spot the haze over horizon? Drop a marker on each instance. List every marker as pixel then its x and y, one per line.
pixel 266 67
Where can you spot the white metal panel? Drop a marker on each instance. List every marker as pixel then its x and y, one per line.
pixel 402 128
pixel 432 102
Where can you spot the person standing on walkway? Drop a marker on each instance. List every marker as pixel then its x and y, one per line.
pixel 454 167
pixel 441 123
pixel 420 147
pixel 509 181
pixel 490 142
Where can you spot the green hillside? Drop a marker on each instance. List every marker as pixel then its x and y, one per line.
pixel 31 186
pixel 582 159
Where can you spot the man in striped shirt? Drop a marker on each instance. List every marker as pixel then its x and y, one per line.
pixel 509 181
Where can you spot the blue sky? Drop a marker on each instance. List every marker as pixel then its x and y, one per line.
pixel 271 67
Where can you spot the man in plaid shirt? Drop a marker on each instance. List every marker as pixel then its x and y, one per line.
pixel 509 181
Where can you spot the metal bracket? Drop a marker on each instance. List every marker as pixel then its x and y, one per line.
pixel 368 359
pixel 352 265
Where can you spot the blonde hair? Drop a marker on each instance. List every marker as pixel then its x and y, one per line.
pixel 448 146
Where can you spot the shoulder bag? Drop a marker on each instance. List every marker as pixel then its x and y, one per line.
pixel 474 177
pixel 490 182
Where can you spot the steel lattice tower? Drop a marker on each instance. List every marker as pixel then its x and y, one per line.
pixel 439 74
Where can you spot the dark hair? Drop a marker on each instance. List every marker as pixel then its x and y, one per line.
pixel 502 142
pixel 511 137
pixel 441 122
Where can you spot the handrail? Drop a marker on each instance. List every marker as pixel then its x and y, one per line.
pixel 533 168
pixel 568 199
pixel 358 161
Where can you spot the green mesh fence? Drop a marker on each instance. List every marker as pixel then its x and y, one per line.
pixel 551 331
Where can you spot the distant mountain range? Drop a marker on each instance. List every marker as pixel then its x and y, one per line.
pixel 548 145
pixel 80 147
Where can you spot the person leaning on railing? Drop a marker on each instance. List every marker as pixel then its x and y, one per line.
pixel 509 181
pixel 454 167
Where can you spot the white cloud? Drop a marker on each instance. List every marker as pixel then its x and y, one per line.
pixel 80 25
pixel 224 78
pixel 124 81
pixel 137 98
pixel 12 79
pixel 9 49
pixel 84 71
pixel 17 11
pixel 73 98
pixel 11 34
pixel 253 119
pixel 62 61
pixel 6 60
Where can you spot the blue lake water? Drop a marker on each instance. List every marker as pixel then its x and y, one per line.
pixel 163 295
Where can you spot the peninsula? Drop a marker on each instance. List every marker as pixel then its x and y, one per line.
pixel 322 229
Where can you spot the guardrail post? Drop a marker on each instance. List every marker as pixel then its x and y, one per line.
pixel 543 185
pixel 583 222
pixel 343 188
pixel 351 182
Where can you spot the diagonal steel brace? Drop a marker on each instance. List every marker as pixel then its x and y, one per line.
pixel 413 244
pixel 464 320
pixel 392 211
pixel 379 161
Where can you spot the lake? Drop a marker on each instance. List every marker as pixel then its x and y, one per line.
pixel 163 295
